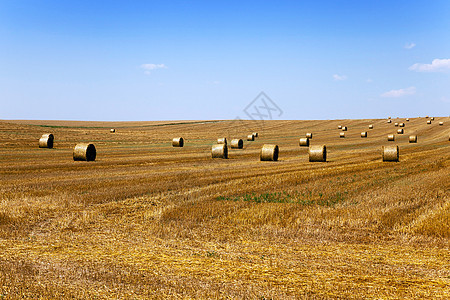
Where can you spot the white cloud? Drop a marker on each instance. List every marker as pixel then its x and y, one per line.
pixel 150 67
pixel 410 46
pixel 436 65
pixel 399 93
pixel 369 80
pixel 339 77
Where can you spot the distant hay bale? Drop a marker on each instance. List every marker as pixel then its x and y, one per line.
pixel 370 126
pixel 400 131
pixel 309 135
pixel 427 117
pixel 84 152
pixel 317 153
pixel 407 119
pixel 401 124
pixel 269 153
pixel 344 128
pixel 413 138
pixel 219 151
pixel 222 141
pixel 178 142
pixel 432 118
pixel 391 137
pixel 389 117
pixel 364 134
pixel 389 121
pixel 340 127
pixel 342 134
pixel 396 124
pixel 46 140
pixel 112 130
pixel 429 122
pixel 441 123
pixel 303 142
pixel 250 137
pixel 255 134
pixel 237 144
pixel 390 153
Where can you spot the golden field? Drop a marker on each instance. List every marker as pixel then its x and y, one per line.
pixel 147 220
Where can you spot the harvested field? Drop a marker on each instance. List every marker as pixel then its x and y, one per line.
pixel 146 220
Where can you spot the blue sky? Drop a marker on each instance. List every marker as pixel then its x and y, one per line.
pixel 150 60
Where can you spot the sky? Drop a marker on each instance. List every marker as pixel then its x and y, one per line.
pixel 198 60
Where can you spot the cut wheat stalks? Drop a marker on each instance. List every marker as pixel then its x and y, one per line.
pixel 342 134
pixel 413 138
pixel 250 137
pixel 84 152
pixel 46 140
pixel 303 142
pixel 390 153
pixel 219 151
pixel 391 137
pixel 237 144
pixel 269 153
pixel 178 142
pixel 317 153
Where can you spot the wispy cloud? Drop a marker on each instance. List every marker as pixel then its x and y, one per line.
pixel 399 93
pixel 369 80
pixel 409 46
pixel 339 77
pixel 437 65
pixel 151 67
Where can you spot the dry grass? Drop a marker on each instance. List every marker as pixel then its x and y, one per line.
pixel 146 220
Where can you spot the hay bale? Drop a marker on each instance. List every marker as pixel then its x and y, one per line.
pixel 219 151
pixel 432 118
pixel 441 123
pixel 317 153
pixel 401 124
pixel 413 138
pixel 429 122
pixel 112 130
pixel 178 142
pixel 400 131
pixel 370 126
pixel 389 117
pixel 255 134
pixel 309 135
pixel 389 121
pixel 269 153
pixel 407 119
pixel 250 137
pixel 222 141
pixel 303 142
pixel 237 144
pixel 364 134
pixel 344 128
pixel 390 153
pixel 46 140
pixel 84 152
pixel 396 124
pixel 340 127
pixel 391 137
pixel 342 134
pixel 427 117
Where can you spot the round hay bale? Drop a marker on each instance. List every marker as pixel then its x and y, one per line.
pixel 112 130
pixel 432 118
pixel 396 124
pixel 429 122
pixel 407 119
pixel 178 142
pixel 222 141
pixel 250 137
pixel 237 144
pixel 317 153
pixel 219 151
pixel 344 128
pixel 309 135
pixel 370 126
pixel 427 117
pixel 441 123
pixel 255 134
pixel 342 134
pixel 46 140
pixel 303 142
pixel 389 117
pixel 269 153
pixel 390 153
pixel 389 121
pixel 364 134
pixel 84 152
pixel 413 138
pixel 340 127
pixel 391 137
pixel 401 124
pixel 400 131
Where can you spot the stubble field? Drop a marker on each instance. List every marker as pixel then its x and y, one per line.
pixel 147 220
